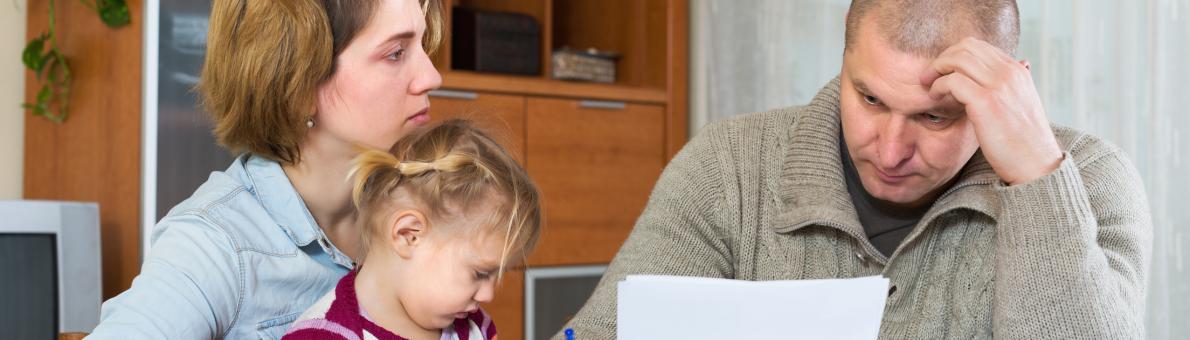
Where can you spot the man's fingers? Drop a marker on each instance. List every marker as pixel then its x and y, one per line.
pixel 976 58
pixel 957 86
pixel 932 74
pixel 987 52
pixel 963 62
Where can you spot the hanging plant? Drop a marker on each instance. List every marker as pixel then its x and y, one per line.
pixel 42 57
pixel 114 13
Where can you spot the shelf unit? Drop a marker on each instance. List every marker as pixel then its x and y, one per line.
pixel 595 150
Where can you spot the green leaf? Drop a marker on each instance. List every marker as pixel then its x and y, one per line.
pixel 113 12
pixel 45 94
pixel 39 110
pixel 32 56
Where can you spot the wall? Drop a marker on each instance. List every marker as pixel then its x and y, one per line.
pixel 1116 69
pixel 12 90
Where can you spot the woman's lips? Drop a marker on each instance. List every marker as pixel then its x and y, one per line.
pixel 421 117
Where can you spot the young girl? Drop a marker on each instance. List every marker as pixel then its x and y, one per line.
pixel 447 211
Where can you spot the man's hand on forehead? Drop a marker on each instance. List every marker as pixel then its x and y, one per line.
pixel 998 95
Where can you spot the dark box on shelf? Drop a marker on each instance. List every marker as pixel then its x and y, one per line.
pixel 495 42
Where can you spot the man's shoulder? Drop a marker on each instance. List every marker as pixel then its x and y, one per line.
pixel 738 144
pixel 756 123
pixel 738 134
pixel 1084 147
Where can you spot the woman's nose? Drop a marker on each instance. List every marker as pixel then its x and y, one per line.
pixel 426 77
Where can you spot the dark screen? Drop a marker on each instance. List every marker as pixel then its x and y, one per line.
pixel 28 286
pixel 556 300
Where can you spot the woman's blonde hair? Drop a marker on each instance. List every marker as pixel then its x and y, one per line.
pixel 265 61
pixel 447 168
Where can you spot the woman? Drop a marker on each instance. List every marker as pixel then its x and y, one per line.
pixel 296 85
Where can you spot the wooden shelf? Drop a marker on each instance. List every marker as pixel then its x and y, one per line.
pixel 594 164
pixel 532 85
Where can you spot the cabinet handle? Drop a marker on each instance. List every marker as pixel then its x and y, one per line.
pixel 601 104
pixel 452 94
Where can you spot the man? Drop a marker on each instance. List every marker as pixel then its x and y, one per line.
pixel 929 161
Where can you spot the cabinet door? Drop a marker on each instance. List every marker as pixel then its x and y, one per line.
pixel 502 116
pixel 595 163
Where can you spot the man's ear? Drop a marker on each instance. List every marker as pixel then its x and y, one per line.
pixel 407 230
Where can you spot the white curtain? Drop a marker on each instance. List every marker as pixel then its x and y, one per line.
pixel 1114 68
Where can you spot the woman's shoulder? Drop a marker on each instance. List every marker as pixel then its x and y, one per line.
pixel 219 190
pixel 227 205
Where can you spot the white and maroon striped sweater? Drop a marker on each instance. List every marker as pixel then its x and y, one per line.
pixel 338 316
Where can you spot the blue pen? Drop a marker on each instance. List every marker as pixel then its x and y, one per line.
pixel 569 334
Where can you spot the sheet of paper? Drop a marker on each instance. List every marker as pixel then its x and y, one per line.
pixel 672 307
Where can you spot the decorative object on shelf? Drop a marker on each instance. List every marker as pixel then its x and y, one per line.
pixel 42 57
pixel 495 42
pixel 585 65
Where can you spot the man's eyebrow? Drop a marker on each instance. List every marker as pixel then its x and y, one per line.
pixel 859 85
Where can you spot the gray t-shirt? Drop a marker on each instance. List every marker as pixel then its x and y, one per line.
pixel 885 226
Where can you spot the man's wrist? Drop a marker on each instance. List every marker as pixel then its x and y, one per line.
pixel 1053 166
pixel 1047 211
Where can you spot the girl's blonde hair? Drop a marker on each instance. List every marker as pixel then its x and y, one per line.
pixel 447 168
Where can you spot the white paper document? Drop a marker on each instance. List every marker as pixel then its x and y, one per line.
pixel 672 307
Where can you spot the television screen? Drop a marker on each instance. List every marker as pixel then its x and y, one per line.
pixel 28 286
pixel 553 295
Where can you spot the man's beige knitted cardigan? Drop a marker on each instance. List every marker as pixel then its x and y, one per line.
pixel 762 197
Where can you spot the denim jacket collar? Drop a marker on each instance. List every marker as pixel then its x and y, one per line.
pixel 268 182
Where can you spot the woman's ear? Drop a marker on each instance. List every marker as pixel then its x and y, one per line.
pixel 407 231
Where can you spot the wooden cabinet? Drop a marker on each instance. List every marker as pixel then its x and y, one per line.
pixel 595 163
pixel 95 155
pixel 503 116
pixel 595 150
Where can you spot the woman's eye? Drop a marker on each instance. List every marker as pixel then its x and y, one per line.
pixel 871 100
pixel 396 55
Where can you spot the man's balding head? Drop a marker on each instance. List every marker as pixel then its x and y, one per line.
pixel 925 28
